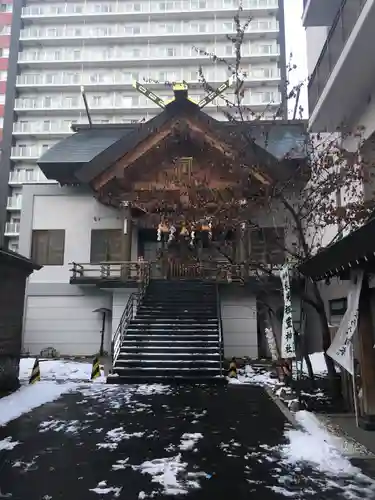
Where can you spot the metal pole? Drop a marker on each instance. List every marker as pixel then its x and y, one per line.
pixel 354 387
pixel 86 105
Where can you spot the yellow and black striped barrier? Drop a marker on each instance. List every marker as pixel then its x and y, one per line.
pixel 95 372
pixel 232 369
pixel 35 373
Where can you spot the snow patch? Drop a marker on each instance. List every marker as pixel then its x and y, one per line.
pixel 8 444
pixel 315 445
pixel 59 369
pixel 103 489
pixel 250 376
pixel 189 440
pixel 170 473
pixel 29 397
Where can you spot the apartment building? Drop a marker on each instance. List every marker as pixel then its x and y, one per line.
pixel 6 8
pixel 342 83
pixel 105 46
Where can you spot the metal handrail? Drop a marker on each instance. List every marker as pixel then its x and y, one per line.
pixel 221 338
pixel 127 316
pixel 131 308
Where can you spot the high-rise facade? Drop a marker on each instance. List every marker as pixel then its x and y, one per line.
pixel 105 46
pixel 6 8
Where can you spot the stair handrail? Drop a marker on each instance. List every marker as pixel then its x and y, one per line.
pixel 221 338
pixel 126 317
pixel 131 308
pixel 144 273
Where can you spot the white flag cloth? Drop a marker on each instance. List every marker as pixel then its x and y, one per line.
pixel 340 349
pixel 288 348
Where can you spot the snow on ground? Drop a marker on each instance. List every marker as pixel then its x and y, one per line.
pixel 314 444
pixel 58 369
pixel 254 377
pixel 29 397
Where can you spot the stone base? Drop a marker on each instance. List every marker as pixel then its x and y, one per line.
pixel 367 422
pixel 9 372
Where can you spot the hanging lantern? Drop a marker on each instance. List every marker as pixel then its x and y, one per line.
pixel 192 238
pixel 172 234
pixel 159 233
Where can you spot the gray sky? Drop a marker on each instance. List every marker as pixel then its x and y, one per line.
pixel 296 44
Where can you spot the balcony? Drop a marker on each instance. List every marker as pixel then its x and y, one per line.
pixel 175 9
pixel 29 152
pixel 14 203
pixel 113 80
pixel 28 177
pixel 41 129
pixel 344 72
pixel 12 229
pixel 319 12
pixel 116 104
pixel 148 33
pixel 96 59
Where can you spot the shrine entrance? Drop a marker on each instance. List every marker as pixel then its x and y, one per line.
pixel 179 252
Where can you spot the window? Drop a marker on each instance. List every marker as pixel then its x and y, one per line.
pixel 337 309
pixel 105 245
pixel 136 52
pixel 29 175
pixel 2 98
pixel 47 101
pixel 171 52
pixel 76 54
pixel 97 100
pixel 267 245
pixel 4 52
pixel 229 50
pixel 6 7
pixel 47 247
pixel 56 55
pixel 3 76
pixel 46 125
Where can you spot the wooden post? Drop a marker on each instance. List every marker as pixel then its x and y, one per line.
pixel 126 240
pixel 367 358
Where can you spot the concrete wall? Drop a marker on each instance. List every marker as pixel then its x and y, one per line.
pixel 66 323
pixel 77 212
pixel 239 319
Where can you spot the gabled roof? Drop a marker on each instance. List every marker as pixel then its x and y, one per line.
pixel 86 154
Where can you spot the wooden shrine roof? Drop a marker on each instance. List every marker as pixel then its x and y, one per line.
pixel 85 155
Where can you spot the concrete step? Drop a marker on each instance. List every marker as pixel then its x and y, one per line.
pixel 168 364
pixel 148 355
pixel 166 379
pixel 197 322
pixel 167 372
pixel 163 349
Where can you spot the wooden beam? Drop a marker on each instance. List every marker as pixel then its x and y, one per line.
pixel 228 152
pixel 132 156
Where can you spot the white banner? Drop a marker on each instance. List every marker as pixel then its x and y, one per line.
pixel 340 349
pixel 288 348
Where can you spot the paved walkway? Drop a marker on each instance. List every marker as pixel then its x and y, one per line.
pixel 116 442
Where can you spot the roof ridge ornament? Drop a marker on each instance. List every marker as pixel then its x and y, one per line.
pixel 182 88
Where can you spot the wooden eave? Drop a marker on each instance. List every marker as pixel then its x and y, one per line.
pixel 176 126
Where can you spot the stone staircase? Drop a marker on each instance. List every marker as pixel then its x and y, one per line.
pixel 174 337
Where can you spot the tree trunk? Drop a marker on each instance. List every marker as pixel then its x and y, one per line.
pixel 335 381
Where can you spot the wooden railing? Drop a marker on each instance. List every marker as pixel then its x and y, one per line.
pixel 108 270
pixel 214 271
pixel 141 271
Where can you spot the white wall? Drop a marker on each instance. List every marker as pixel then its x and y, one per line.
pixel 239 319
pixel 77 214
pixel 66 323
